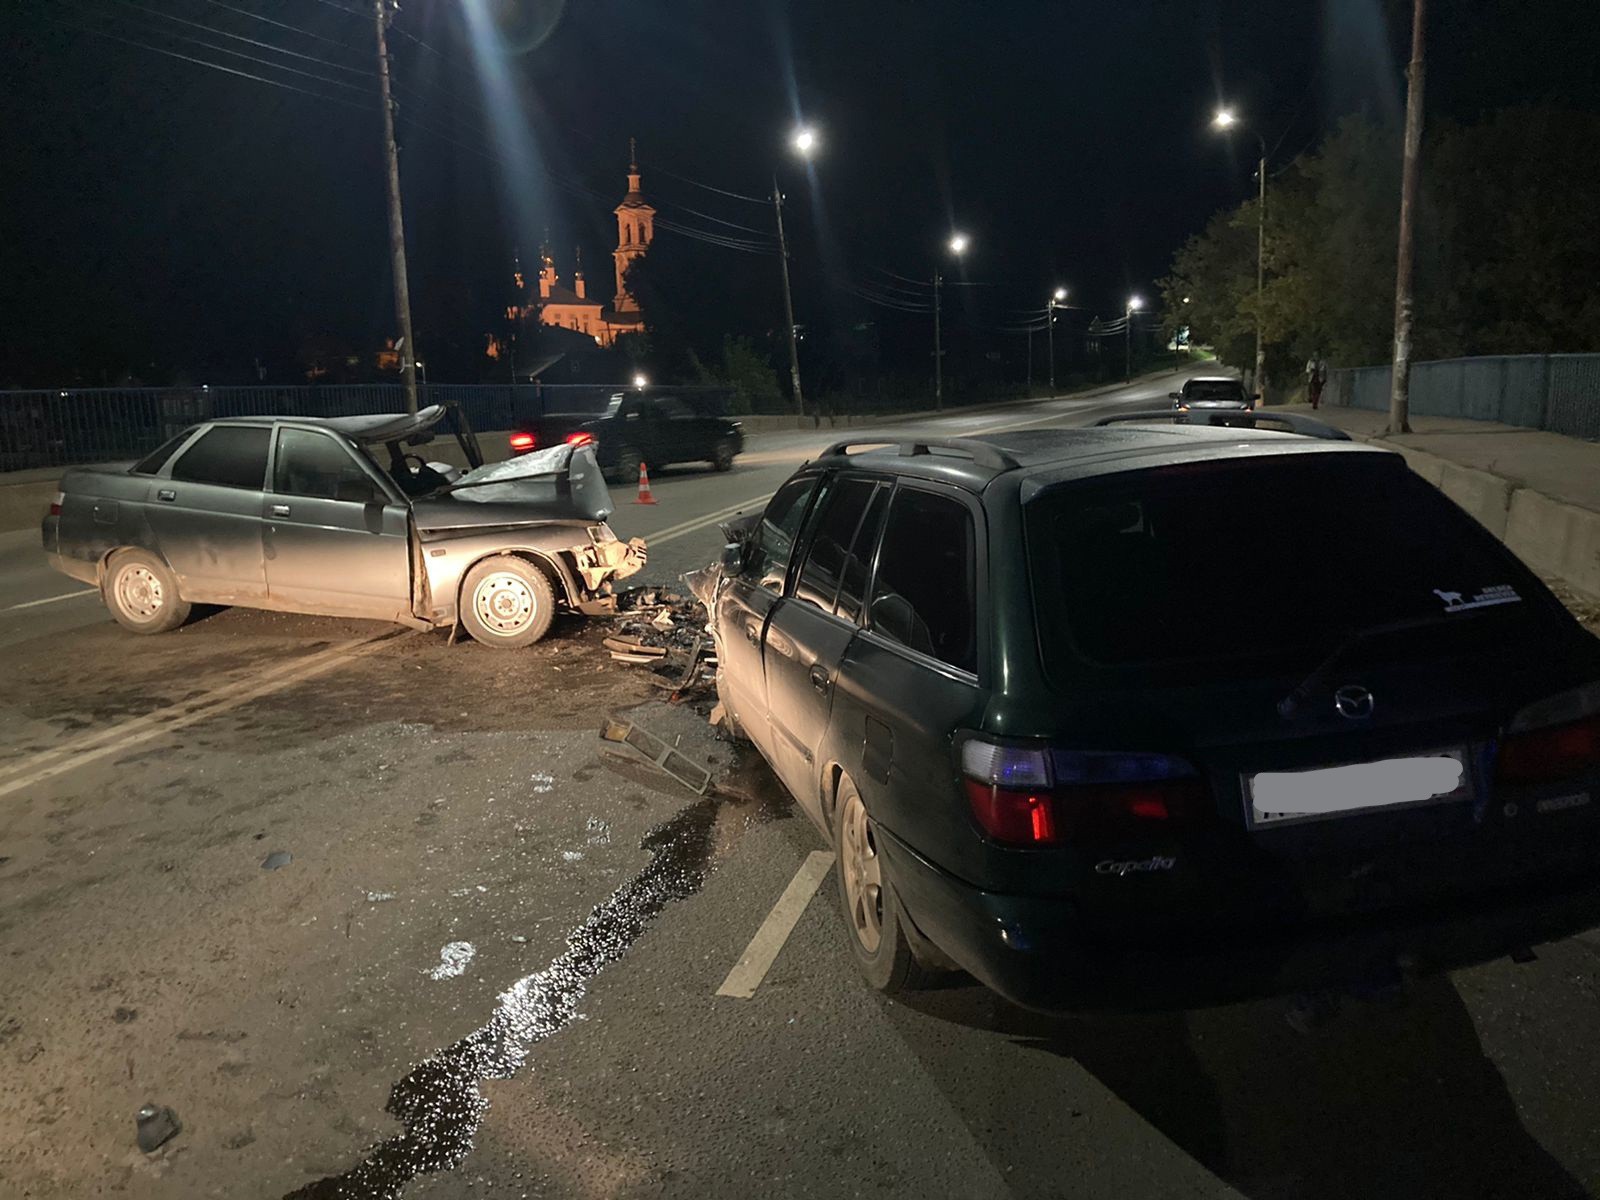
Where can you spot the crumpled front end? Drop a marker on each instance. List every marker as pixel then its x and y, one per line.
pixel 607 557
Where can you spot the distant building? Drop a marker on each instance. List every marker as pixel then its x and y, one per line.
pixel 573 308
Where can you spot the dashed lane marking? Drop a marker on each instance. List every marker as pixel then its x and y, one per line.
pixel 75 752
pixel 763 949
pixel 51 599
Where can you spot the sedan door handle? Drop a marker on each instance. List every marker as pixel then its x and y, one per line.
pixel 819 678
pixel 167 494
pixel 280 510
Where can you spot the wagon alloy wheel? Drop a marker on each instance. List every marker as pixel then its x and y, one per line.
pixel 142 592
pixel 506 602
pixel 862 875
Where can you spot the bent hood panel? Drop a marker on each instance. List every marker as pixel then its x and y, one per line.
pixel 562 483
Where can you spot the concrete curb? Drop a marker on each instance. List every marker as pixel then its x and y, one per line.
pixel 1553 538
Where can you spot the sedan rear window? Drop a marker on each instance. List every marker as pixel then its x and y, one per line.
pixel 230 455
pixel 1224 561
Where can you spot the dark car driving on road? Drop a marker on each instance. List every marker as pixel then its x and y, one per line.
pixel 635 428
pixel 1212 391
pixel 1072 734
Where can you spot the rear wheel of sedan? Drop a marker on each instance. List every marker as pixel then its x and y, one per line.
pixel 142 593
pixel 507 603
pixel 722 455
pixel 872 912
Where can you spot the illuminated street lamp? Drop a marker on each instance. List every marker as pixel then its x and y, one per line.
pixel 1134 305
pixel 1224 120
pixel 1057 300
pixel 804 143
pixel 958 244
pixel 639 381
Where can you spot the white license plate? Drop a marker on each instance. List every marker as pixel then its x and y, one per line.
pixel 1285 797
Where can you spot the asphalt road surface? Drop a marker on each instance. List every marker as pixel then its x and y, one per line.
pixel 380 916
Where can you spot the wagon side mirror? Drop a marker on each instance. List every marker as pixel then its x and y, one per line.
pixel 732 558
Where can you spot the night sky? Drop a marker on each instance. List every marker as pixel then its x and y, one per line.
pixel 166 218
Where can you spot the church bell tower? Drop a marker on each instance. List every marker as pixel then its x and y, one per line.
pixel 635 230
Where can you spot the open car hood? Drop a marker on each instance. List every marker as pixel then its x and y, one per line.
pixel 562 483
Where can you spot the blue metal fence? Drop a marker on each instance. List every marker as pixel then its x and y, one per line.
pixel 60 427
pixel 1557 392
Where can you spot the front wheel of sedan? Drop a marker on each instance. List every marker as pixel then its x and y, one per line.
pixel 142 593
pixel 507 603
pixel 873 920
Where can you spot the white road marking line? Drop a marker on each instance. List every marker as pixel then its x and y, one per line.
pixel 50 600
pixel 762 951
pixel 58 760
pixel 696 523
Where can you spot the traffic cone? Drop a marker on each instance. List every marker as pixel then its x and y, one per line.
pixel 644 487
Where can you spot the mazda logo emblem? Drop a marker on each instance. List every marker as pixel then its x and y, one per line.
pixel 1353 702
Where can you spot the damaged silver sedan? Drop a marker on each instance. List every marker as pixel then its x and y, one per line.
pixel 296 514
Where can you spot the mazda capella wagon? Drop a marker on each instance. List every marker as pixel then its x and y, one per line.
pixel 1070 732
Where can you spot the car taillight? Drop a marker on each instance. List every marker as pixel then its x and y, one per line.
pixel 55 505
pixel 580 439
pixel 1037 797
pixel 521 443
pixel 1553 739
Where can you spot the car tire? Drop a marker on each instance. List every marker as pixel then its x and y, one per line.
pixel 874 922
pixel 722 455
pixel 507 603
pixel 142 593
pixel 626 467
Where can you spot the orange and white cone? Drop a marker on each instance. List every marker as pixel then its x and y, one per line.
pixel 644 487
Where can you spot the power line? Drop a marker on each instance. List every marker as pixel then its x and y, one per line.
pixel 720 221
pixel 255 16
pixel 288 87
pixel 239 37
pixel 708 187
pixel 265 62
pixel 920 283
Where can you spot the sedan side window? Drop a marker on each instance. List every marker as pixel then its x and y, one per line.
pixel 829 544
pixel 229 455
pixel 922 595
pixel 316 466
pixel 775 536
pixel 853 581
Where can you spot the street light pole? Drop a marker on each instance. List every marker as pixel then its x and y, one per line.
pixel 1226 119
pixel 1056 297
pixel 1261 267
pixel 1400 383
pixel 1134 304
pixel 958 246
pixel 397 233
pixel 788 302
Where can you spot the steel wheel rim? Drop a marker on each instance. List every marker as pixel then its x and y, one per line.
pixel 862 873
pixel 504 603
pixel 139 593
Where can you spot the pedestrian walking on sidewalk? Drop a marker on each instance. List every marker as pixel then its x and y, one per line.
pixel 1316 378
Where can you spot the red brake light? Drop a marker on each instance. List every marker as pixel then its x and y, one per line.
pixel 580 439
pixel 1546 755
pixel 1034 797
pixel 55 505
pixel 521 443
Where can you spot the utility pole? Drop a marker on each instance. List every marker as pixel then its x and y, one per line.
pixel 788 305
pixel 938 352
pixel 1052 328
pixel 1261 268
pixel 1127 329
pixel 397 233
pixel 1400 383
pixel 1030 360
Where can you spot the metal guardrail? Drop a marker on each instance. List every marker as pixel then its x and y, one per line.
pixel 63 426
pixel 1555 392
